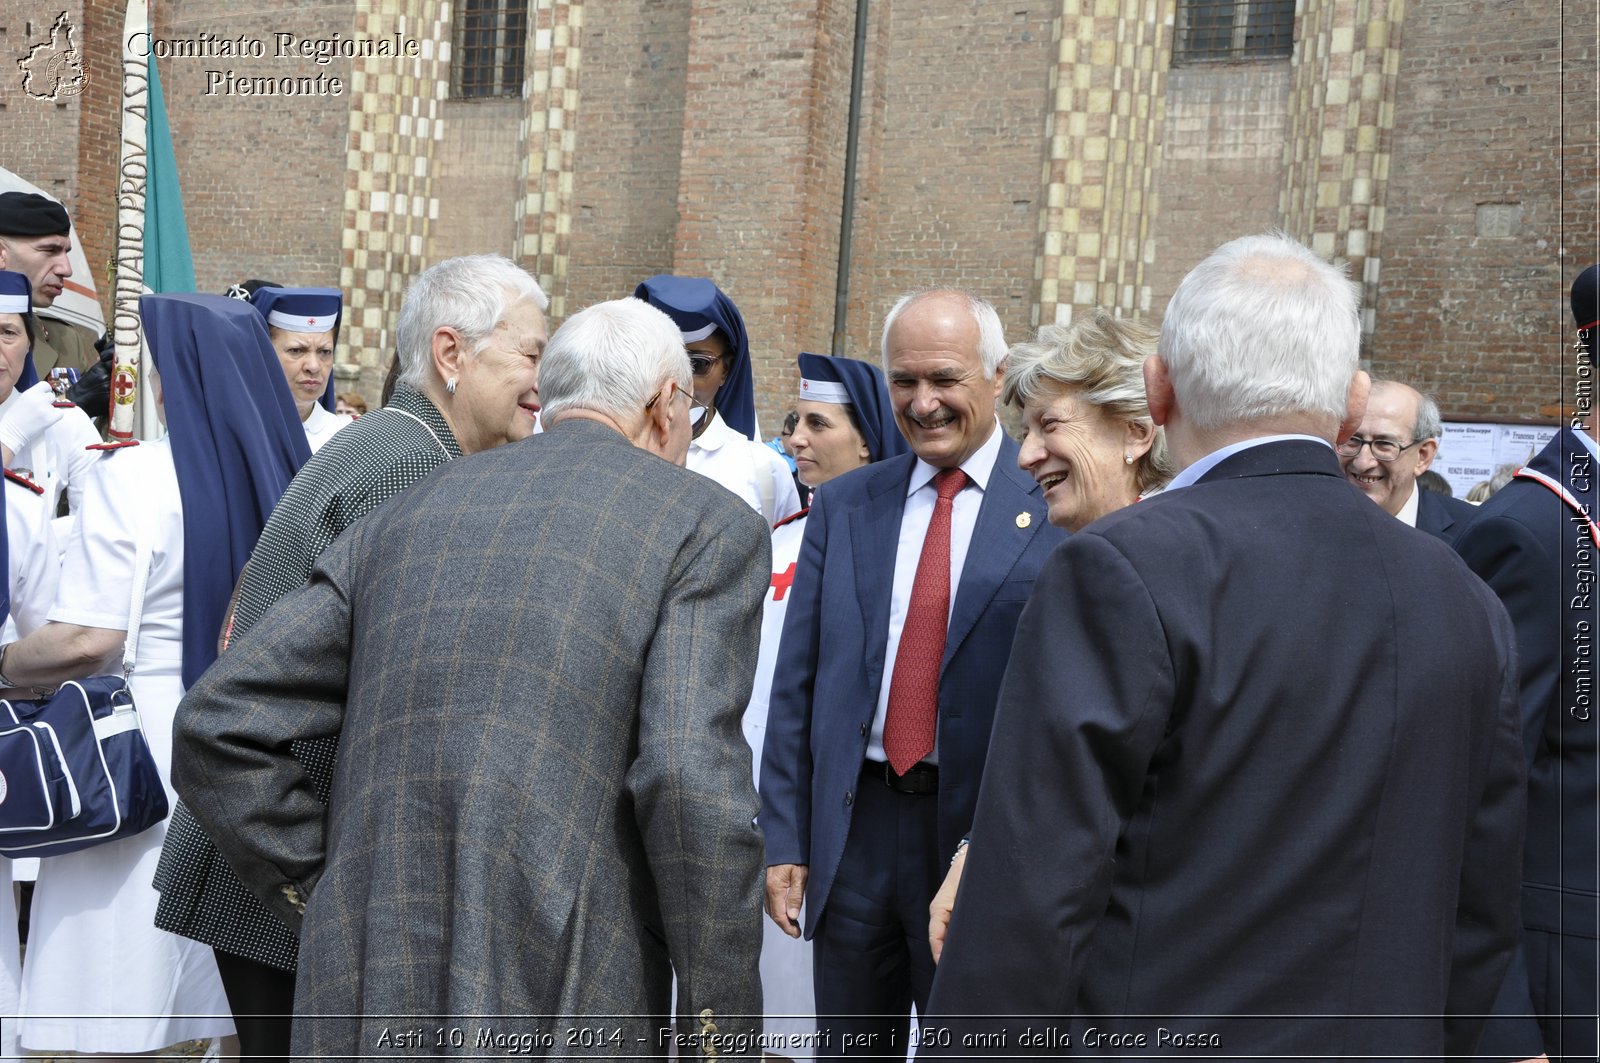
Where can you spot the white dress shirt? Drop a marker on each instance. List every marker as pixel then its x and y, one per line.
pixel 914 521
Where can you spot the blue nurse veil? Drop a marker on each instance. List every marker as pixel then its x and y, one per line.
pixel 237 441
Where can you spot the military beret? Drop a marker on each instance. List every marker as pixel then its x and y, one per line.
pixel 30 214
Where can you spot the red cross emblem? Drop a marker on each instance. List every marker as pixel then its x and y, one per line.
pixel 781 582
pixel 122 385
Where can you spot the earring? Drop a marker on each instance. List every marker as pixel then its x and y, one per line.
pixel 1127 459
pixel 450 386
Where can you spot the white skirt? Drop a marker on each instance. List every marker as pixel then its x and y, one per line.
pixel 98 976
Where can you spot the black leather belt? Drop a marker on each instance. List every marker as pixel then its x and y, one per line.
pixel 920 778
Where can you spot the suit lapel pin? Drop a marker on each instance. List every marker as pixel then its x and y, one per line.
pixel 1024 519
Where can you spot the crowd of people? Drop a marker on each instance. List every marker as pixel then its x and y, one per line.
pixel 494 718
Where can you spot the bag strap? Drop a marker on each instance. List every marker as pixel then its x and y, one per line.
pixel 141 576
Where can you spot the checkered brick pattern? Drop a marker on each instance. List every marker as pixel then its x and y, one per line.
pixel 549 136
pixel 388 201
pixel 1104 136
pixel 1341 124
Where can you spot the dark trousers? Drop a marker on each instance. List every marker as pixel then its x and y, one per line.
pixel 871 959
pixel 262 1001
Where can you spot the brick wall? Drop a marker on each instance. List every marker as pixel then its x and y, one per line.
pixel 39 138
pixel 99 142
pixel 952 158
pixel 710 139
pixel 263 176
pixel 1225 128
pixel 1475 275
pixel 759 214
pixel 475 178
pixel 629 145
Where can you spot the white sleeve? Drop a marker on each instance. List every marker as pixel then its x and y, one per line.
pixel 96 584
pixel 33 559
pixel 77 434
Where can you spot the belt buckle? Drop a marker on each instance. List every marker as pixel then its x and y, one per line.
pixel 916 781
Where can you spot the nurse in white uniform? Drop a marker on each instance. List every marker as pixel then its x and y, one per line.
pixel 727 447
pixel 845 421
pixel 48 443
pixel 304 326
pixel 32 561
pixel 99 977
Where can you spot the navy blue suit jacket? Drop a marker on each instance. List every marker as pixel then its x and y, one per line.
pixel 1441 515
pixel 1536 550
pixel 835 637
pixel 1262 773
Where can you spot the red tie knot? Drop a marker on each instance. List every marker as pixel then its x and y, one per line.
pixel 948 482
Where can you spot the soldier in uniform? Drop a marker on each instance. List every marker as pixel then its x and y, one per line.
pixel 35 239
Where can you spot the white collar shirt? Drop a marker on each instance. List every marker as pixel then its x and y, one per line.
pixel 914 521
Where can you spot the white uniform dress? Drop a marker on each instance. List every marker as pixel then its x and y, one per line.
pixel 93 947
pixel 751 470
pixel 321 426
pixel 58 460
pixel 785 961
pixel 33 560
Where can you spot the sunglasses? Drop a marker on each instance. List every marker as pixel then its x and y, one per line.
pixel 702 364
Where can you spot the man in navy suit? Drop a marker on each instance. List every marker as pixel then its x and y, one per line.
pixel 911 577
pixel 1396 442
pixel 1255 771
pixel 1535 542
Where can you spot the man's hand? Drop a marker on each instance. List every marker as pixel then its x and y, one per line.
pixel 944 902
pixel 786 888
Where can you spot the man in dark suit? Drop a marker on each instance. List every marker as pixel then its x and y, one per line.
pixel 1396 442
pixel 1255 770
pixel 1535 542
pixel 542 803
pixel 910 580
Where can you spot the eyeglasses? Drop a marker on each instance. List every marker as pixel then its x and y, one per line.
pixel 698 411
pixel 1382 449
pixel 702 364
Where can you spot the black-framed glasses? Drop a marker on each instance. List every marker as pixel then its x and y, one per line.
pixel 1382 449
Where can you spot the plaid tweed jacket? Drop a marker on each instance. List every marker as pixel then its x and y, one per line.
pixel 362 467
pixel 536 661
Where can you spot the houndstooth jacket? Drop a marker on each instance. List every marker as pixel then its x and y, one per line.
pixel 363 466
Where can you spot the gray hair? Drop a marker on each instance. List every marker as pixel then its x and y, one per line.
pixel 469 294
pixel 611 358
pixel 1262 327
pixel 1430 425
pixel 991 334
pixel 1102 357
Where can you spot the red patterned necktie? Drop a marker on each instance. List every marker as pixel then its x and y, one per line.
pixel 914 690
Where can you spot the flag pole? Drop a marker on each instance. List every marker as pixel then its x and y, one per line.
pixel 127 331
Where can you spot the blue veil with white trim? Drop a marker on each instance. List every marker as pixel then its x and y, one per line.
pixel 696 303
pixel 237 441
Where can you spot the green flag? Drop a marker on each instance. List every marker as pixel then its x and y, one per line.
pixel 168 265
